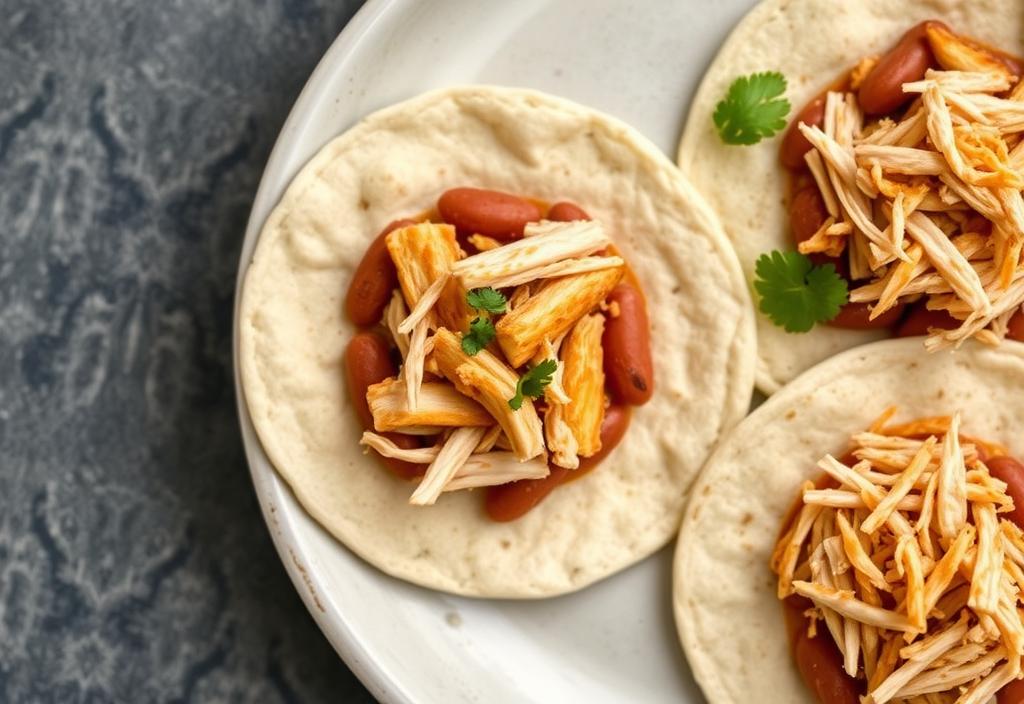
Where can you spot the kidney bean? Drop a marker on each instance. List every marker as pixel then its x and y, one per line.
pixel 507 502
pixel 1011 471
pixel 628 368
pixel 855 316
pixel 613 428
pixel 566 212
pixel 1012 693
pixel 807 213
pixel 882 90
pixel 794 144
pixel 821 666
pixel 793 608
pixel 919 319
pixel 367 362
pixel 493 213
pixel 373 281
pixel 1015 329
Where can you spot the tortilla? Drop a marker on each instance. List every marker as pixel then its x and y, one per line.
pixel 729 619
pixel 812 42
pixel 395 163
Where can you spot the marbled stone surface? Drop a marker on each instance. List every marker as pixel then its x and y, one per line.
pixel 134 565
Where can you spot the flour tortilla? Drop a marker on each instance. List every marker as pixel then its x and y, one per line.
pixel 811 42
pixel 396 163
pixel 727 613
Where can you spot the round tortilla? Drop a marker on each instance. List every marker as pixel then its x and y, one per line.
pixel 811 42
pixel 729 619
pixel 396 163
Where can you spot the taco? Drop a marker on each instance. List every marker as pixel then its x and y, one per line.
pixel 488 337
pixel 857 539
pixel 891 192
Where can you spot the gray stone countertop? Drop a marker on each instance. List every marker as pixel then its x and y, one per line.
pixel 134 564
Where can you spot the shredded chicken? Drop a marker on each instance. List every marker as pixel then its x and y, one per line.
pixel 561 275
pixel 549 251
pixel 551 311
pixel 488 380
pixel 454 453
pixel 584 383
pixel 440 406
pixel 902 195
pixel 917 517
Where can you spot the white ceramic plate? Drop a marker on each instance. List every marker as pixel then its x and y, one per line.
pixel 614 642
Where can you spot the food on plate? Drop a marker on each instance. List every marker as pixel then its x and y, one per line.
pixel 880 558
pixel 892 203
pixel 534 376
pixel 902 567
pixel 519 309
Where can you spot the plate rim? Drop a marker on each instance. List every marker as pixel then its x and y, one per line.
pixel 337 630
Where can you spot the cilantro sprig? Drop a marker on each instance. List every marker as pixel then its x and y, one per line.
pixel 753 108
pixel 532 383
pixel 486 302
pixel 487 299
pixel 481 332
pixel 795 294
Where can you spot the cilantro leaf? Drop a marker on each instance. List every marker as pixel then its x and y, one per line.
pixel 752 109
pixel 532 383
pixel 481 332
pixel 795 294
pixel 486 299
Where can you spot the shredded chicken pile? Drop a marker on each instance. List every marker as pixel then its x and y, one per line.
pixel 930 205
pixel 558 281
pixel 909 565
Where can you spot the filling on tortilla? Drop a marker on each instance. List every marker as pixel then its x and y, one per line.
pixel 902 569
pixel 503 343
pixel 906 176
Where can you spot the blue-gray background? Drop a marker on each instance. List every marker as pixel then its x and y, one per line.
pixel 134 566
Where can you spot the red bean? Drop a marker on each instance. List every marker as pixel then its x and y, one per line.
pixel 367 362
pixel 793 608
pixel 492 213
pixel 507 502
pixel 807 213
pixel 566 212
pixel 794 144
pixel 628 368
pixel 1015 328
pixel 1011 471
pixel 1012 693
pixel 373 281
pixel 881 92
pixel 919 320
pixel 821 667
pixel 856 316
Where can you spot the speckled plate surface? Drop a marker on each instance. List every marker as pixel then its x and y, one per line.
pixel 612 642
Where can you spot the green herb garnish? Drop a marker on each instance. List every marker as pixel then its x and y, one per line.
pixel 752 109
pixel 481 332
pixel 795 294
pixel 532 383
pixel 486 299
